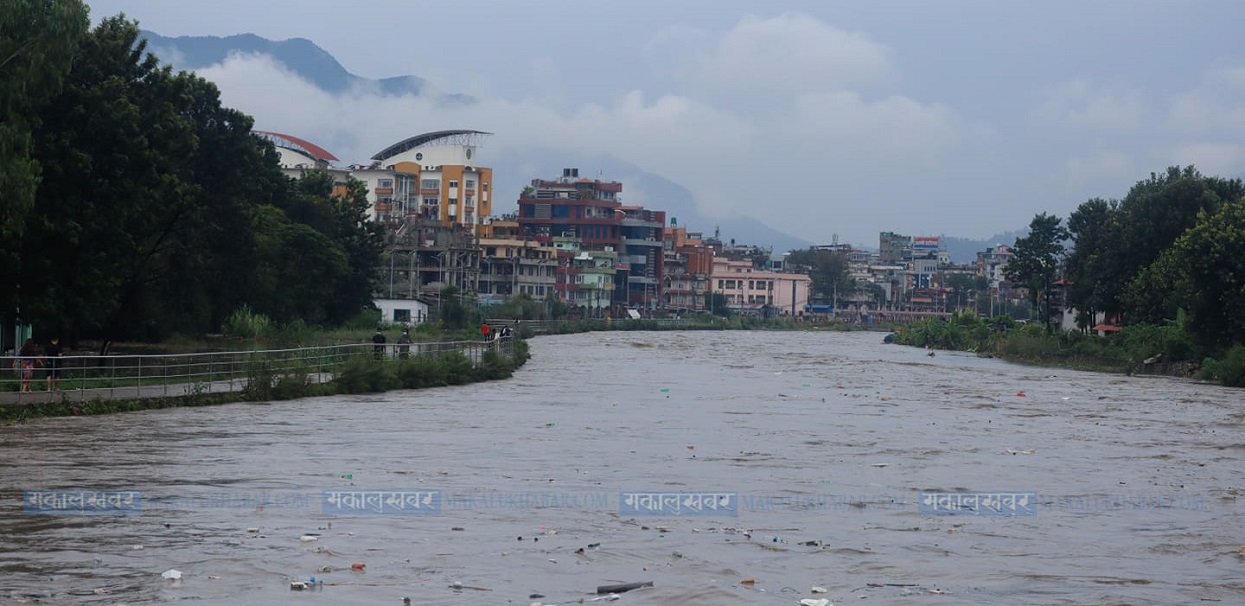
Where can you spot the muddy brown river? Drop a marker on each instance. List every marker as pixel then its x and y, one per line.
pixel 694 460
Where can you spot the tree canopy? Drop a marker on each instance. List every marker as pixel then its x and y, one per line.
pixel 160 212
pixel 1035 261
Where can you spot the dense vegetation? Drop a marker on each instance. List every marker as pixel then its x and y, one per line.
pixel 137 207
pixel 1164 263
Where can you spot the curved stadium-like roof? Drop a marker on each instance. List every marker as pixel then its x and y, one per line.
pixel 455 137
pixel 298 145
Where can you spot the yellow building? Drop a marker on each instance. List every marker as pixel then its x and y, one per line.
pixel 441 176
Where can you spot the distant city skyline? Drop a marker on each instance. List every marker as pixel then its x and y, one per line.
pixel 956 118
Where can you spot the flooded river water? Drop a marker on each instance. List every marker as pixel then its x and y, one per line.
pixel 822 449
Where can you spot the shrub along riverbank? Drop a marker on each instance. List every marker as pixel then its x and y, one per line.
pixel 1141 348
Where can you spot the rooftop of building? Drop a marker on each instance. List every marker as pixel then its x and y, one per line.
pixel 440 137
pixel 301 146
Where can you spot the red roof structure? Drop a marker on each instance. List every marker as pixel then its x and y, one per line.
pixel 298 145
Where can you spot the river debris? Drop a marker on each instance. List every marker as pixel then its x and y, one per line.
pixel 814 602
pixel 172 574
pixel 624 587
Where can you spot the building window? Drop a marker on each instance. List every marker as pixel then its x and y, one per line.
pixel 384 183
pixel 453 183
pixel 430 184
pixel 751 285
pixel 484 186
pixel 721 284
pixel 402 315
pixel 730 284
pixel 471 184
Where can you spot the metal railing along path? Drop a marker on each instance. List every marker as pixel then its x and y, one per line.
pixel 86 377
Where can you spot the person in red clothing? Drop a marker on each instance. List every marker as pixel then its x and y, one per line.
pixel 485 330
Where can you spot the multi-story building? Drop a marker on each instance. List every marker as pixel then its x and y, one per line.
pixel 586 279
pixel 511 267
pixel 748 289
pixel 589 210
pixel 436 176
pixel 433 175
pixel 894 249
pixel 643 253
pixel 688 263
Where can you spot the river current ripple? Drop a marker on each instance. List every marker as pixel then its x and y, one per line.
pixel 826 440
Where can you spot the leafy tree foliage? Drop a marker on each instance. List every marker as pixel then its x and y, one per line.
pixel 160 211
pixel 828 271
pixel 1035 261
pixel 37 43
pixel 1204 273
pixel 1146 222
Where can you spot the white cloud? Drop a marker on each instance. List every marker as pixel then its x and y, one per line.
pixel 732 159
pixel 1098 168
pixel 791 55
pixel 1211 157
pixel 1080 105
pixel 1216 105
pixel 894 128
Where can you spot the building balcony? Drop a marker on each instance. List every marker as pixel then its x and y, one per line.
pixel 641 280
pixel 639 242
pixel 384 191
pixel 431 191
pixel 632 222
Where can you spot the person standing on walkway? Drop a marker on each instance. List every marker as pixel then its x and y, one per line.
pixel 27 358
pixel 53 353
pixel 485 329
pixel 378 344
pixel 404 344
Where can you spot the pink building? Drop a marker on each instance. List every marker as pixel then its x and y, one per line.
pixel 749 289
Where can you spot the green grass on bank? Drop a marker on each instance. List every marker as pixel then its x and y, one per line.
pixel 1138 348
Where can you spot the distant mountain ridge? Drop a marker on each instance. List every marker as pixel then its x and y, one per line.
pixel 299 55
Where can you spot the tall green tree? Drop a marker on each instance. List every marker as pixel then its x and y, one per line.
pixel 1147 221
pixel 1035 262
pixel 827 269
pixel 38 40
pixel 1088 226
pixel 1203 272
pixel 142 227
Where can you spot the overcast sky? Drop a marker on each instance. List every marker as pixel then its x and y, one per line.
pixel 818 117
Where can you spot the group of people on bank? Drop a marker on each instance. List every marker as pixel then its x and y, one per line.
pixel 29 356
pixel 379 340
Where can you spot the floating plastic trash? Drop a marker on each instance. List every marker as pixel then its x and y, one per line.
pixel 172 574
pixel 814 602
pixel 307 538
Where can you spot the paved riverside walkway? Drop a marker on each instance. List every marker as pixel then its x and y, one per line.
pixel 132 392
